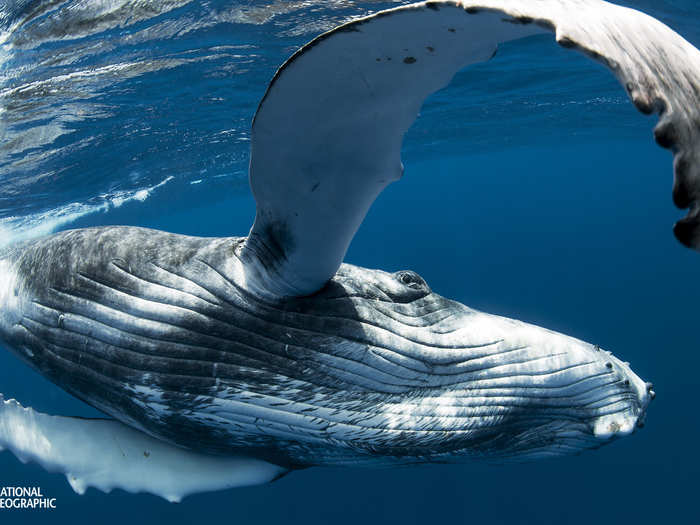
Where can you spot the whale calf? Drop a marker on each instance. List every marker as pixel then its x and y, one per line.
pixel 244 358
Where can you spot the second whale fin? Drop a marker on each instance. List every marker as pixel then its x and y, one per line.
pixel 107 454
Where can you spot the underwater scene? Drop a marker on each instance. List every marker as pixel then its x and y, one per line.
pixel 531 188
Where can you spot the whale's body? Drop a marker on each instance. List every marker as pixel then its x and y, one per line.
pixel 158 331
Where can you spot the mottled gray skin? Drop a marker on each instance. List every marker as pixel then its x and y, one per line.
pixel 159 331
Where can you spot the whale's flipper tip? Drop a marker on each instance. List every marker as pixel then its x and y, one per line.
pixel 686 188
pixel 687 230
pixel 112 455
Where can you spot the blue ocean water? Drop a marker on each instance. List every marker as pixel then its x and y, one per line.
pixel 533 189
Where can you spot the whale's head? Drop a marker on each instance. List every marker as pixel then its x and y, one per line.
pixel 458 383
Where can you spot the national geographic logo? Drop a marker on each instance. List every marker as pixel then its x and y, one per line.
pixel 24 498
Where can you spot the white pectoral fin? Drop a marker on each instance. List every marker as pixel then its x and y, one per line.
pixel 327 136
pixel 107 454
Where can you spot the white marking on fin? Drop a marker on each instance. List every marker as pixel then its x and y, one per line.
pixel 112 455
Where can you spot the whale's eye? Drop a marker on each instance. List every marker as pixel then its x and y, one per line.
pixel 411 279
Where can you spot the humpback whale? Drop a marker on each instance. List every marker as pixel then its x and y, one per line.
pixel 231 361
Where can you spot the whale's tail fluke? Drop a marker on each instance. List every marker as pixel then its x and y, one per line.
pixel 106 454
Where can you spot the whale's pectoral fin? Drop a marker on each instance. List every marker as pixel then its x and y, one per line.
pixel 327 136
pixel 106 454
